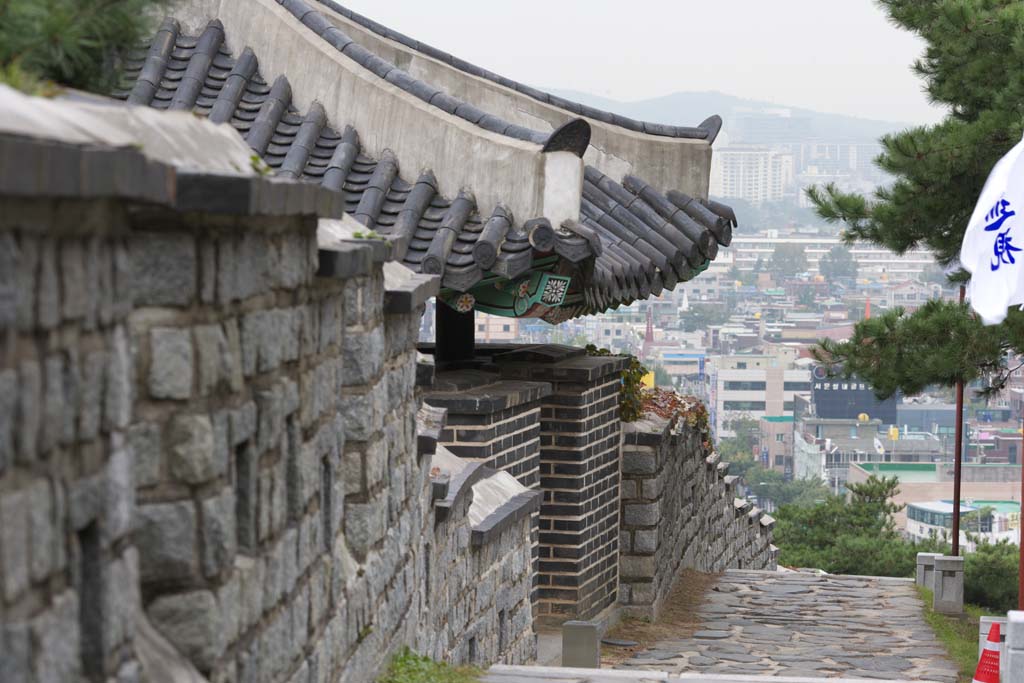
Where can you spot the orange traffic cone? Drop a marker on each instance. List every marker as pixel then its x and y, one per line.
pixel 988 665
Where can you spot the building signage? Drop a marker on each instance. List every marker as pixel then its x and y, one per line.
pixel 845 399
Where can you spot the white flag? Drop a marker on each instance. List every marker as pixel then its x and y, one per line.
pixel 993 248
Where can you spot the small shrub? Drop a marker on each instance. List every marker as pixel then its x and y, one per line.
pixel 631 400
pixel 409 667
pixel 990 576
pixel 77 43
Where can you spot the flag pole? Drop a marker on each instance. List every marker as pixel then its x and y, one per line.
pixel 1020 519
pixel 958 455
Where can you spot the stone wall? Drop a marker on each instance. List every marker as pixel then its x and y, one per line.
pixel 209 424
pixel 69 570
pixel 679 511
pixel 480 580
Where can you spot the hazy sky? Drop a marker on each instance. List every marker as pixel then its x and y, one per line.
pixel 839 56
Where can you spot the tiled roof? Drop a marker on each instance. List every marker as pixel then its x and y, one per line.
pixel 639 240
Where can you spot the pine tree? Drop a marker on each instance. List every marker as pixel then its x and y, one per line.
pixel 77 43
pixel 973 65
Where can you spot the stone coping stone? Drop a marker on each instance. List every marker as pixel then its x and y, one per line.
pixel 37 168
pixel 508 513
pixel 577 369
pixel 425 370
pixel 475 392
pixel 430 422
pixel 459 486
pixel 404 290
pixel 650 430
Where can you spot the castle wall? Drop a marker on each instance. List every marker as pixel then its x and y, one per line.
pixel 679 512
pixel 209 426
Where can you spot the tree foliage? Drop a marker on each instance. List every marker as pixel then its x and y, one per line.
pixel 974 65
pixel 990 576
pixel 72 42
pixel 838 263
pixel 788 260
pixel 854 536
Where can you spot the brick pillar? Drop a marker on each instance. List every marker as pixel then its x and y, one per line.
pixel 495 422
pixel 581 439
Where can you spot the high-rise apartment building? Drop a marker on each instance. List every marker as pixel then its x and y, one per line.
pixel 754 173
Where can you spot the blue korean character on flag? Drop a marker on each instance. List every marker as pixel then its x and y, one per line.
pixel 994 239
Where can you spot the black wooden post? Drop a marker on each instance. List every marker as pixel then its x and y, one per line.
pixel 455 339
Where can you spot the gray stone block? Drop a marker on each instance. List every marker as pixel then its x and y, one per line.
pixel 75 288
pixel 926 569
pixel 641 514
pixel 170 364
pixel 645 540
pixel 117 403
pixel 164 268
pixel 192 456
pixel 29 411
pixel 16 639
pixel 8 415
pixel 193 623
pixel 144 439
pixel 166 538
pixel 48 299
pixel 581 645
pixel 363 355
pixel 949 585
pixel 219 537
pixel 215 362
pixel 14 542
pixel 119 496
pixel 56 633
pixel 639 462
pixel 53 403
pixel 90 416
pixel 23 282
pixel 243 423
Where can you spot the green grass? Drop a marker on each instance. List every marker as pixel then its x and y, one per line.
pixel 958 634
pixel 409 667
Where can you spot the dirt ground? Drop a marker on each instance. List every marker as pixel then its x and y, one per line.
pixel 677 619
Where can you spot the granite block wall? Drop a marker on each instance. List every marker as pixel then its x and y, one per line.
pixel 210 426
pixel 479 582
pixel 679 511
pixel 69 574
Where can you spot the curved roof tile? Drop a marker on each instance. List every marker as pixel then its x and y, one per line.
pixel 640 240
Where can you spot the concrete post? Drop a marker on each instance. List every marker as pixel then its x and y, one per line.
pixel 949 585
pixel 1013 652
pixel 984 626
pixel 581 645
pixel 926 569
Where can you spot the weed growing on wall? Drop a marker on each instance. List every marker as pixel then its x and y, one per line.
pixel 631 400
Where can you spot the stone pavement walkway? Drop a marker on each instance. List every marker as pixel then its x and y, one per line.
pixel 804 625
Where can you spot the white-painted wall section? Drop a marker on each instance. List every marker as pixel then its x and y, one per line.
pixel 496 167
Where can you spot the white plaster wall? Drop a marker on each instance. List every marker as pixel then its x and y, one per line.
pixel 563 185
pixel 496 167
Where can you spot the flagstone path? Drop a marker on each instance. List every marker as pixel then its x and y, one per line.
pixel 804 625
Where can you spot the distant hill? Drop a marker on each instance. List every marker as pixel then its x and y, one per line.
pixel 690 108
